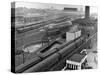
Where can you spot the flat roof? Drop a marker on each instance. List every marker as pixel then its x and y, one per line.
pixel 77 57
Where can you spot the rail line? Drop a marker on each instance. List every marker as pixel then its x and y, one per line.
pixel 60 59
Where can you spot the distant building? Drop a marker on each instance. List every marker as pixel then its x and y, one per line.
pixel 70 9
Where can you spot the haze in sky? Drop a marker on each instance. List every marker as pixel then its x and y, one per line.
pixel 45 5
pixel 52 6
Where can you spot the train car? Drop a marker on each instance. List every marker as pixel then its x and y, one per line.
pixel 45 64
pixel 26 65
pixel 67 54
pixel 57 46
pixel 55 54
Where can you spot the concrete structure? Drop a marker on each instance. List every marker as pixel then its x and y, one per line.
pixel 72 35
pixel 87 12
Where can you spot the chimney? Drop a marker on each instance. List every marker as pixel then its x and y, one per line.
pixel 87 11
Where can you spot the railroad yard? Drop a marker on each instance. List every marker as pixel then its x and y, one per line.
pixel 45 39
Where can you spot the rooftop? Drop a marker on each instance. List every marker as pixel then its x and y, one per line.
pixel 77 57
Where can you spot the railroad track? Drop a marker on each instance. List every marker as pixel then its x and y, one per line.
pixel 38 25
pixel 35 35
pixel 59 57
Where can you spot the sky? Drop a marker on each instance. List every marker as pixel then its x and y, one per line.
pixel 55 6
pixel 44 5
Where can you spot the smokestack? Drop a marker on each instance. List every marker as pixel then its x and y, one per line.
pixel 87 11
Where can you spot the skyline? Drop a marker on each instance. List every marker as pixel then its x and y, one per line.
pixel 36 5
pixel 46 5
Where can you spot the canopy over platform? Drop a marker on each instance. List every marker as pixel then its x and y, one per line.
pixel 77 59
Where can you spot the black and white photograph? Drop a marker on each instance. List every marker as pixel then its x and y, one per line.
pixel 48 37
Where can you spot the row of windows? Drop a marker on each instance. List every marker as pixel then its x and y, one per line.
pixel 72 67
